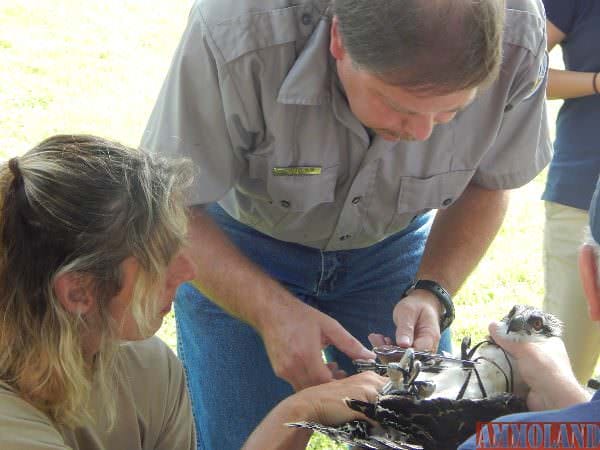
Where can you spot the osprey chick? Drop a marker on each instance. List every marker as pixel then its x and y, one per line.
pixel 433 402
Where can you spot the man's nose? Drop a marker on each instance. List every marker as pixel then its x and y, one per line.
pixel 421 126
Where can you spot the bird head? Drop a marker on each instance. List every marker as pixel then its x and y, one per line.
pixel 527 323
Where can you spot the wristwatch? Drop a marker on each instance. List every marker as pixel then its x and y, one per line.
pixel 442 295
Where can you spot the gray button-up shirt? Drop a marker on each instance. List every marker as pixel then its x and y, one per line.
pixel 252 97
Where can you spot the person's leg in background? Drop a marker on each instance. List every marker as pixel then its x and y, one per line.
pixel 361 287
pixel 564 296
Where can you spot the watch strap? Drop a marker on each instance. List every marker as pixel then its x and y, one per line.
pixel 441 294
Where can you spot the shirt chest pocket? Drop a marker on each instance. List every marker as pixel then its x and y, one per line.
pixel 292 192
pixel 419 195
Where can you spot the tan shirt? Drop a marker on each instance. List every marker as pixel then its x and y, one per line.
pixel 252 90
pixel 153 408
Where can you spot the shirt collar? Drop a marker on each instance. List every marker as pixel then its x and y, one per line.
pixel 309 80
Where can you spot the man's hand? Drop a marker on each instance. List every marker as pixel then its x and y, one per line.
pixel 294 335
pixel 546 369
pixel 417 318
pixel 460 235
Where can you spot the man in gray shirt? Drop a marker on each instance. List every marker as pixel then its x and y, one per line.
pixel 327 131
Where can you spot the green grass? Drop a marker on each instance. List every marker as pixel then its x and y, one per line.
pixel 83 66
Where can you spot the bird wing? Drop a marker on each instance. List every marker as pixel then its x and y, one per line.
pixel 359 434
pixel 438 423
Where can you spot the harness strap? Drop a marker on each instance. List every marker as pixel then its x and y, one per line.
pixel 509 379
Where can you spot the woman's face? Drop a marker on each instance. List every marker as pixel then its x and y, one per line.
pixel 180 269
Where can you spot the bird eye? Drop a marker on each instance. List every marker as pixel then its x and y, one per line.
pixel 537 323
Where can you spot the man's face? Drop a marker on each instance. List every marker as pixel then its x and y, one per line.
pixel 390 111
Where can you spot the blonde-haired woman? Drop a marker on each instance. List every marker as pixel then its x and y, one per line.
pixel 92 249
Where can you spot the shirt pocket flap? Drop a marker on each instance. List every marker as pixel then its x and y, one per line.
pixel 434 192
pixel 301 193
pixel 294 192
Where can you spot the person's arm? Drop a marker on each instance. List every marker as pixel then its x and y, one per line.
pixel 546 369
pixel 215 118
pixel 323 404
pixel 568 83
pixel 461 234
pixel 459 237
pixel 293 333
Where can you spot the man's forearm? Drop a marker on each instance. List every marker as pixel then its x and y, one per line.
pixel 293 333
pixel 227 276
pixel 460 236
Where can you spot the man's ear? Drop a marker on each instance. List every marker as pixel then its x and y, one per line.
pixel 336 47
pixel 74 292
pixel 588 269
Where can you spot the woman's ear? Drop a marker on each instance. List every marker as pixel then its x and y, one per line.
pixel 74 292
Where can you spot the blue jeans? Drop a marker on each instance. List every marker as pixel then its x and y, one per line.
pixel 232 385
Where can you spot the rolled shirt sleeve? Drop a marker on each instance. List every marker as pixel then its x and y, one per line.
pixel 522 147
pixel 198 115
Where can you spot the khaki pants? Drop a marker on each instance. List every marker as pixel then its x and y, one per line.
pixel 563 237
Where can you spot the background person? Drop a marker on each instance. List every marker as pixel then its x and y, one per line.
pixel 575 25
pixel 326 140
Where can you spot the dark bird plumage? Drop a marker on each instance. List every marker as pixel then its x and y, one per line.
pixel 434 401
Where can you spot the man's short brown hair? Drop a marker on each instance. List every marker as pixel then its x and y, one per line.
pixel 438 46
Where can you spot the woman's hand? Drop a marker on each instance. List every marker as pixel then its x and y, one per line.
pixel 323 404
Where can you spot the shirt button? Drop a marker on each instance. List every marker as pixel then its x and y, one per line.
pixel 345 237
pixel 356 200
pixel 284 203
pixel 306 19
pixel 447 202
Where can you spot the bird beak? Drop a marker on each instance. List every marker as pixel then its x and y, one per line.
pixel 516 324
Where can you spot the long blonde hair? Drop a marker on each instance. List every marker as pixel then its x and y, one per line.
pixel 79 204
